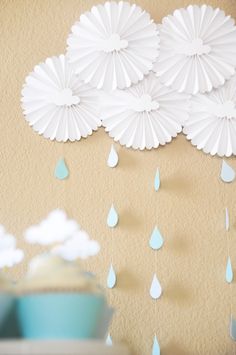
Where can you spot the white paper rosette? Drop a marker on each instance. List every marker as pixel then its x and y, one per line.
pixel 146 115
pixel 197 49
pixel 212 122
pixel 113 45
pixel 57 104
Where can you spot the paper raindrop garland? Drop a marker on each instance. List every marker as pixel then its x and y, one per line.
pixel 157 182
pixel 233 328
pixel 112 218
pixel 156 241
pixel 155 290
pixel 229 271
pixel 61 171
pixel 109 340
pixel 156 348
pixel 111 278
pixel 113 158
pixel 227 173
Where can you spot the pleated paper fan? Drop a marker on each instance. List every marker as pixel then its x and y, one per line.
pixel 57 104
pixel 212 122
pixel 197 49
pixel 146 115
pixel 114 45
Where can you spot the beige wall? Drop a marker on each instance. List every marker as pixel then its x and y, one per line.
pixel 192 317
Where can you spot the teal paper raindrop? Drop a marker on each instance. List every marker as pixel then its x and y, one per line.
pixel 111 278
pixel 157 181
pixel 156 348
pixel 156 289
pixel 233 328
pixel 227 172
pixel 112 218
pixel 226 219
pixel 156 241
pixel 109 340
pixel 113 158
pixel 61 170
pixel 229 271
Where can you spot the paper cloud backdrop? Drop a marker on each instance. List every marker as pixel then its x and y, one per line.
pixel 9 254
pixel 212 122
pixel 114 45
pixel 197 49
pixel 57 104
pixel 112 52
pixel 56 228
pixel 146 115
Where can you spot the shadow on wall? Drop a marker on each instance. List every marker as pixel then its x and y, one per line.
pixel 128 281
pixel 174 349
pixel 179 294
pixel 130 221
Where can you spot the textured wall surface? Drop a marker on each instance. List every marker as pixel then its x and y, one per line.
pixel 192 317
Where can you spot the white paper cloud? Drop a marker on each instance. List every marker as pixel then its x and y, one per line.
pixel 9 254
pixel 79 246
pixel 56 228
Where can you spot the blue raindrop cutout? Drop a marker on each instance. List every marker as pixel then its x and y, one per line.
pixel 109 340
pixel 233 328
pixel 226 219
pixel 156 241
pixel 156 348
pixel 157 181
pixel 111 279
pixel 112 218
pixel 61 170
pixel 229 271
pixel 227 172
pixel 113 158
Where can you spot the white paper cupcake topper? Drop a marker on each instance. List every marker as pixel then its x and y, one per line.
pixel 57 104
pixel 197 49
pixel 212 122
pixel 146 115
pixel 113 45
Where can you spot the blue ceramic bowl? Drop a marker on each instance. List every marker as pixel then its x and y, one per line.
pixel 60 315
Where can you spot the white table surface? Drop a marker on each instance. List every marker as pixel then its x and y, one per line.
pixel 60 347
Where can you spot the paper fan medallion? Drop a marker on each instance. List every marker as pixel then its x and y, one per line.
pixel 57 104
pixel 113 45
pixel 197 49
pixel 146 115
pixel 212 122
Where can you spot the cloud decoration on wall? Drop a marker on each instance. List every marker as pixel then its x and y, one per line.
pixel 197 49
pixel 212 122
pixel 114 45
pixel 56 228
pixel 144 116
pixel 57 104
pixel 9 254
pixel 78 246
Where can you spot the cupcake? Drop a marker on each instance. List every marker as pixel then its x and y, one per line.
pixel 9 256
pixel 58 299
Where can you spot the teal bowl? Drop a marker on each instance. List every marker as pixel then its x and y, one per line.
pixel 6 305
pixel 60 315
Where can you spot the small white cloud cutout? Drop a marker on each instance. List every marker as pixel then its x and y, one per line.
pixel 9 254
pixel 56 228
pixel 79 246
